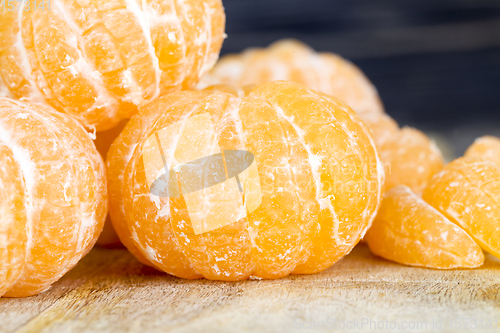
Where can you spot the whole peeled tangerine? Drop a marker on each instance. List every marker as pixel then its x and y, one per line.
pixel 98 60
pixel 294 61
pixel 326 72
pixel 278 180
pixel 53 199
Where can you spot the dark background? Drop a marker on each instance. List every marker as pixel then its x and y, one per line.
pixel 435 63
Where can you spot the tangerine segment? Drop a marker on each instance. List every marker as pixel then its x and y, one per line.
pixel 63 188
pixel 409 231
pixel 164 228
pixel 294 61
pixel 486 147
pixel 410 158
pixel 13 233
pixel 345 165
pixel 467 192
pixel 382 127
pixel 118 157
pixel 98 60
pixel 280 196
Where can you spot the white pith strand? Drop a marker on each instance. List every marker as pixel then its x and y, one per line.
pixel 207 64
pixel 144 22
pixel 84 210
pixel 27 168
pixel 315 162
pixel 380 170
pixel 104 100
pixel 155 19
pixel 129 158
pixel 37 96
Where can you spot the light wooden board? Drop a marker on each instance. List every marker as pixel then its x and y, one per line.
pixel 110 291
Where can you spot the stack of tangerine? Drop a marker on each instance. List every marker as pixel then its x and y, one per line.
pixel 275 162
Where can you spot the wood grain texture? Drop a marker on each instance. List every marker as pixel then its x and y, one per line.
pixel 109 291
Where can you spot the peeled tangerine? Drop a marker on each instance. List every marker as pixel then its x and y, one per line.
pixel 326 72
pixel 410 231
pixel 294 61
pixel 53 197
pixel 98 60
pixel 486 147
pixel 410 158
pixel 210 184
pixel 467 192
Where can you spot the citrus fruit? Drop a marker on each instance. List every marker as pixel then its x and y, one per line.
pixel 98 60
pixel 53 196
pixel 332 75
pixel 410 158
pixel 294 61
pixel 103 141
pixel 13 227
pixel 409 231
pixel 467 192
pixel 382 127
pixel 213 184
pixel 487 147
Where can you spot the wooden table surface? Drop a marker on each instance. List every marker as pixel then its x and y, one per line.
pixel 110 291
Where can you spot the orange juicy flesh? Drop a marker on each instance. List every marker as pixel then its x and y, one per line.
pixel 486 147
pixel 467 192
pixel 64 191
pixel 293 61
pixel 333 75
pixel 409 231
pixel 13 233
pixel 348 175
pixel 382 127
pixel 410 158
pixel 99 60
pixel 277 238
pixel 119 155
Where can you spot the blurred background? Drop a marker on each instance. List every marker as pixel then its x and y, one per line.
pixel 435 63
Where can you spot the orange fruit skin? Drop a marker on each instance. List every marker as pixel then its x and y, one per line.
pixel 319 173
pixel 294 61
pixel 409 231
pixel 467 192
pixel 103 141
pixel 486 147
pixel 54 184
pixel 410 158
pixel 99 60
